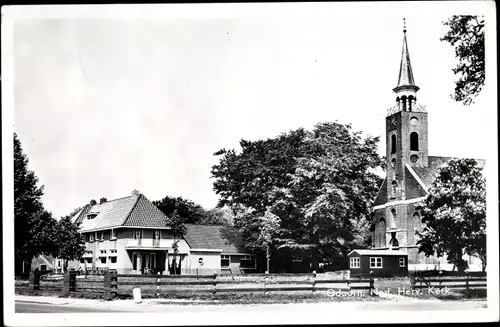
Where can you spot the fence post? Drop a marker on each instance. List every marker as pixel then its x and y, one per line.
pixel 34 280
pixel 266 281
pixel 372 283
pixel 440 280
pixel 214 284
pixel 412 280
pixel 66 282
pixel 158 286
pixel 314 281
pixel 467 283
pixel 113 283
pixel 107 282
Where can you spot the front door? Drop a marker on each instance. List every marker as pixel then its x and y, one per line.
pixel 148 262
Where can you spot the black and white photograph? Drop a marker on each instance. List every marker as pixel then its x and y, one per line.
pixel 250 163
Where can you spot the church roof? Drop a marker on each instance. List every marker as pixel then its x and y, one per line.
pixel 419 176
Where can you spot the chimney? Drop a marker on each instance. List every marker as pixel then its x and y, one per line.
pixel 103 200
pixel 135 193
pixel 93 202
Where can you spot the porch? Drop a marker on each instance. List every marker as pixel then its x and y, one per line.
pixel 156 261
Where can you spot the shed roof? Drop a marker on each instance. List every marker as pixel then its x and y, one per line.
pixel 226 238
pixel 378 252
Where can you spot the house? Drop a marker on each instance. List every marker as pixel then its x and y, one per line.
pixel 382 263
pixel 409 174
pixel 132 235
pixel 217 249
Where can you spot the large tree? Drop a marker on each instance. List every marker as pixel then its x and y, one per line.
pixel 190 212
pixel 454 214
pixel 70 243
pixel 466 34
pixel 33 226
pixel 319 183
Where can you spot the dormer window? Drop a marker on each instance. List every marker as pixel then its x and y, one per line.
pixel 91 215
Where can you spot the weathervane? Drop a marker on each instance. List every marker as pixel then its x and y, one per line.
pixel 404 25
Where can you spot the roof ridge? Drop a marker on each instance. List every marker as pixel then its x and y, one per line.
pixel 131 210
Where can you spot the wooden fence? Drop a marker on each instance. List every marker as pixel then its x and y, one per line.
pixel 448 279
pixel 113 284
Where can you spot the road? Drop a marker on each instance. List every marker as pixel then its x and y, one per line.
pixel 420 305
pixel 33 307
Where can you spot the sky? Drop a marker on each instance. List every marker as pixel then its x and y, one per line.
pixel 105 102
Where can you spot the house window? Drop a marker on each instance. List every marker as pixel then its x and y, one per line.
pixel 89 260
pixel 103 260
pixel 43 267
pixel 402 262
pixel 156 234
pixel 82 260
pixel 248 262
pixel 224 260
pixel 138 234
pixel 375 262
pixel 112 259
pixel 100 236
pixel 113 234
pixel 91 237
pixel 355 262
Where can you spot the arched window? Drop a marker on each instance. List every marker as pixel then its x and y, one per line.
pixel 382 231
pixel 403 98
pixel 393 220
pixel 414 141
pixel 417 222
pixel 393 143
pixel 394 189
pixel 411 99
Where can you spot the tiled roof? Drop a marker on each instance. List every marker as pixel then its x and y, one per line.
pixel 382 194
pixel 225 238
pixel 109 214
pixel 134 210
pixel 146 214
pixel 80 215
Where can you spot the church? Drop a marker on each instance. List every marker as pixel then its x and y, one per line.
pixel 410 171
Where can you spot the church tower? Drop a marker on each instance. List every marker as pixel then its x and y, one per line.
pixel 406 130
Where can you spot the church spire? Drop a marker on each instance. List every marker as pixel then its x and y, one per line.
pixel 405 79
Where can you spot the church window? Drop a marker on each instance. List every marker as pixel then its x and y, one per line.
pixel 414 141
pixel 393 162
pixel 416 224
pixel 393 221
pixel 414 158
pixel 382 231
pixel 394 189
pixel 413 121
pixel 393 143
